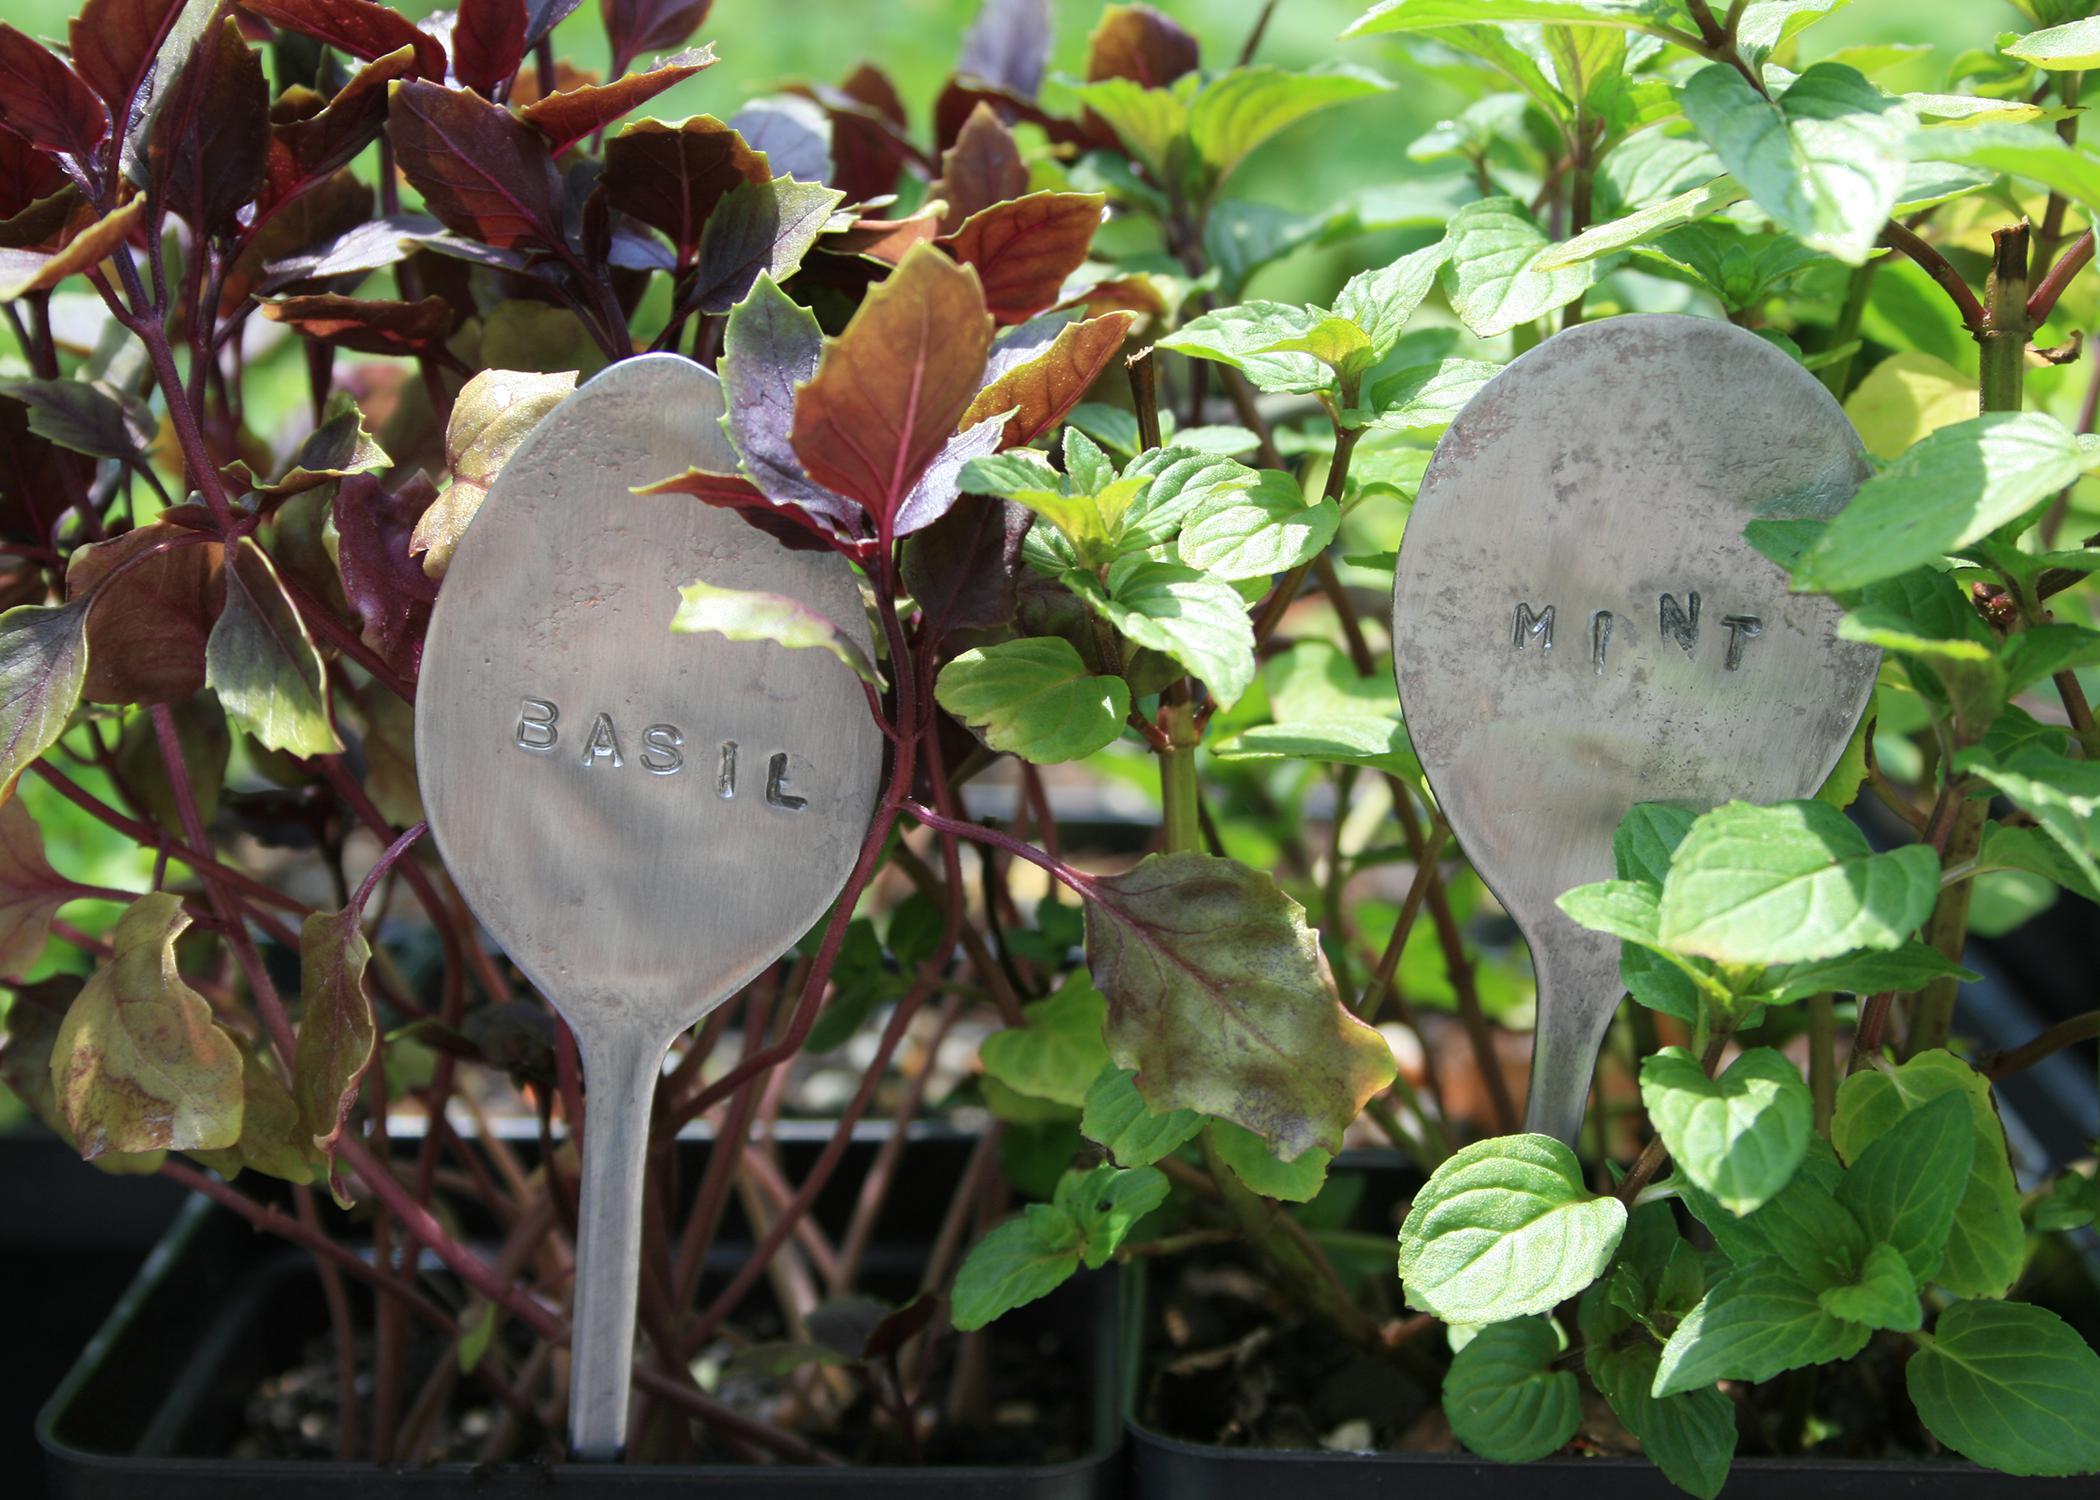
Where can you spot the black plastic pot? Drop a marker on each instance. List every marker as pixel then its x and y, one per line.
pixel 2047 1115
pixel 157 1397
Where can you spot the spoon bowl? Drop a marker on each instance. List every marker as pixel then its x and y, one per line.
pixel 1579 625
pixel 643 821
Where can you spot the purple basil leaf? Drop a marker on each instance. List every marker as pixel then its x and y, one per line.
pixel 771 346
pixel 758 228
pixel 941 485
pixel 794 133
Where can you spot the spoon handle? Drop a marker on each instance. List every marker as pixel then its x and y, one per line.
pixel 1579 990
pixel 621 1069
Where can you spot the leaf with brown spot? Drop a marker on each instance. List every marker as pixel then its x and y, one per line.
pixel 370 327
pixel 139 1064
pixel 1217 997
pixel 337 1035
pixel 45 102
pixel 492 414
pixel 488 42
pixel 43 663
pixel 672 176
pixel 210 137
pixel 26 271
pixel 146 626
pixel 357 27
pixel 484 172
pixel 1136 41
pixel 567 116
pixel 31 892
pixel 29 1028
pixel 262 664
pixel 983 167
pixel 1040 370
pixel 890 390
pixel 1024 249
pixel 633 27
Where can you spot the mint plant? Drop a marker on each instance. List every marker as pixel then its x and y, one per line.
pixel 289 284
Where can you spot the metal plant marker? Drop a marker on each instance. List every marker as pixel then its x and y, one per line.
pixel 643 821
pixel 1579 626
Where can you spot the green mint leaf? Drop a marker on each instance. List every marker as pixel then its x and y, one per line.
pixel 1825 159
pixel 1690 1436
pixel 1259 339
pixel 1492 278
pixel 1959 484
pixel 1428 398
pixel 1884 1296
pixel 1116 1118
pixel 1250 1159
pixel 1503 1396
pixel 1058 1053
pixel 1019 1261
pixel 1790 883
pixel 1197 620
pixel 2070 48
pixel 2009 1386
pixel 1035 698
pixel 1739 1136
pixel 1503 1229
pixel 1986 1248
pixel 1757 1321
pixel 1257 532
pixel 1903 1188
pixel 1106 1202
pixel 1238 111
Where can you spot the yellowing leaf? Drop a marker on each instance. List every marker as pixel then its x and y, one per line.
pixel 139 1064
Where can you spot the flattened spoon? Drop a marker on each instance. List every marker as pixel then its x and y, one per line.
pixel 1579 626
pixel 643 821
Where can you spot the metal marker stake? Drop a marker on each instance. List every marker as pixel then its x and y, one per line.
pixel 643 821
pixel 1579 626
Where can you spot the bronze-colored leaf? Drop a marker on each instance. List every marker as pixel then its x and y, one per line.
pixel 357 27
pixel 337 449
pixel 492 414
pixel 31 892
pixel 964 569
pixel 27 175
pixel 210 136
pixel 139 1064
pixel 1137 42
pixel 568 115
pixel 337 1035
pixel 672 176
pixel 147 625
pixel 634 27
pixel 488 42
pixel 370 327
pixel 890 390
pixel 1041 379
pixel 1024 249
pixel 385 585
pixel 34 481
pixel 25 271
pixel 983 167
pixel 43 662
pixel 484 172
pixel 889 240
pixel 318 143
pixel 1217 997
pixel 45 102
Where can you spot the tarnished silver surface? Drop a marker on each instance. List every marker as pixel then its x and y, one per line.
pixel 1579 625
pixel 644 821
